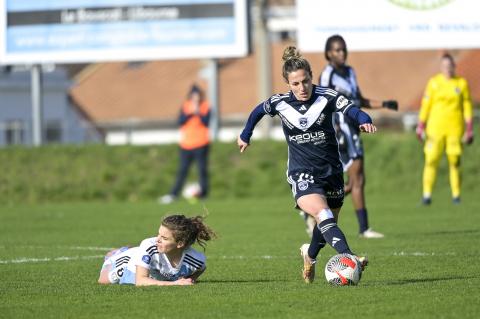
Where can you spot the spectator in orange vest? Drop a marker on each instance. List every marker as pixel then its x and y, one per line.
pixel 194 143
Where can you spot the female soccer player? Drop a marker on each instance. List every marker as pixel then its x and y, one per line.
pixel 445 116
pixel 342 78
pixel 314 168
pixel 165 260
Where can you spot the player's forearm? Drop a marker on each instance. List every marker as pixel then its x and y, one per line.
pixel 256 115
pixel 359 116
pixel 469 125
pixel 146 281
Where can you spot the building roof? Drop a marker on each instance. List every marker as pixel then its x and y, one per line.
pixel 153 91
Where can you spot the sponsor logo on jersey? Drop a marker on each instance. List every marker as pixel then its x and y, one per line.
pixel 146 259
pixel 302 108
pixel 341 102
pixel 303 121
pixel 311 137
pixel 321 118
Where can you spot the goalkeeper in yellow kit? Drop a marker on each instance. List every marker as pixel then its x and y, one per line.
pixel 445 120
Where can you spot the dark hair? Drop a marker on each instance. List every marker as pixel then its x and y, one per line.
pixel 329 44
pixel 195 89
pixel 188 229
pixel 448 56
pixel 293 61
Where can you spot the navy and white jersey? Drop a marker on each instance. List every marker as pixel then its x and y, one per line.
pixel 308 128
pixel 344 82
pixel 158 265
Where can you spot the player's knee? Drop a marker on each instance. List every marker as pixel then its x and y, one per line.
pixel 431 161
pixel 453 160
pixel 358 181
pixel 323 215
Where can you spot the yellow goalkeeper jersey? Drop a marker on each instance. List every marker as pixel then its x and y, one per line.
pixel 446 105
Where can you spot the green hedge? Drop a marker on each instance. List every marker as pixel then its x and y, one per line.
pixel 129 173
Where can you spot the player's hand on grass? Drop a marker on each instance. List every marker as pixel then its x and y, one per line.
pixel 420 131
pixel 184 282
pixel 368 128
pixel 241 144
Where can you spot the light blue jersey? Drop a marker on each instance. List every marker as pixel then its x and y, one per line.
pixel 158 265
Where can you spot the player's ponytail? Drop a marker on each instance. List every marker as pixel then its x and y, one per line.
pixel 189 230
pixel 204 233
pixel 293 61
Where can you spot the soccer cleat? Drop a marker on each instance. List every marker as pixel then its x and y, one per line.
pixel 166 199
pixel 308 270
pixel 426 201
pixel 456 200
pixel 370 233
pixel 363 260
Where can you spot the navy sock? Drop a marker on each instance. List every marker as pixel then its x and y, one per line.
pixel 334 236
pixel 317 243
pixel 362 217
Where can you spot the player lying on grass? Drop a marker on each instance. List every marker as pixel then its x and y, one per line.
pixel 165 260
pixel 314 170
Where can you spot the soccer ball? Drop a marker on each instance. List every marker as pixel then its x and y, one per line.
pixel 343 270
pixel 191 191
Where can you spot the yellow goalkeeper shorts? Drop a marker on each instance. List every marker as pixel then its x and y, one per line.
pixel 435 145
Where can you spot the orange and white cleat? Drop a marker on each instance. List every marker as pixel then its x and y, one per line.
pixel 363 260
pixel 308 271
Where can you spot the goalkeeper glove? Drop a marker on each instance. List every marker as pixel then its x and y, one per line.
pixel 390 104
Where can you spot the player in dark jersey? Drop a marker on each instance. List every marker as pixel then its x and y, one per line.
pixel 314 171
pixel 342 78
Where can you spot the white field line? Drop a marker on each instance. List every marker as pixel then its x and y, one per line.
pixel 22 260
pixel 92 248
pixel 25 260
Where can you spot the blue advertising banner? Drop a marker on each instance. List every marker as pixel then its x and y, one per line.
pixel 58 31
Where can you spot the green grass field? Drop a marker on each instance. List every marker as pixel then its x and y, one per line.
pixel 426 267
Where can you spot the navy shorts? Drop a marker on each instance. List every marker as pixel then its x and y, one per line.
pixel 305 183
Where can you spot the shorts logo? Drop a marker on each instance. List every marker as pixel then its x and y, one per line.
pixel 303 180
pixel 146 259
pixel 303 121
pixel 341 102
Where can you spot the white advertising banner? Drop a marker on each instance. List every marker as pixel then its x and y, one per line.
pixel 372 25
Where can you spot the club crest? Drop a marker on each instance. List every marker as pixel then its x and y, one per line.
pixel 303 121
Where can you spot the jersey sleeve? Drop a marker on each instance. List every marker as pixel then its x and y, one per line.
pixel 269 105
pixel 147 249
pixel 342 104
pixel 195 261
pixel 467 102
